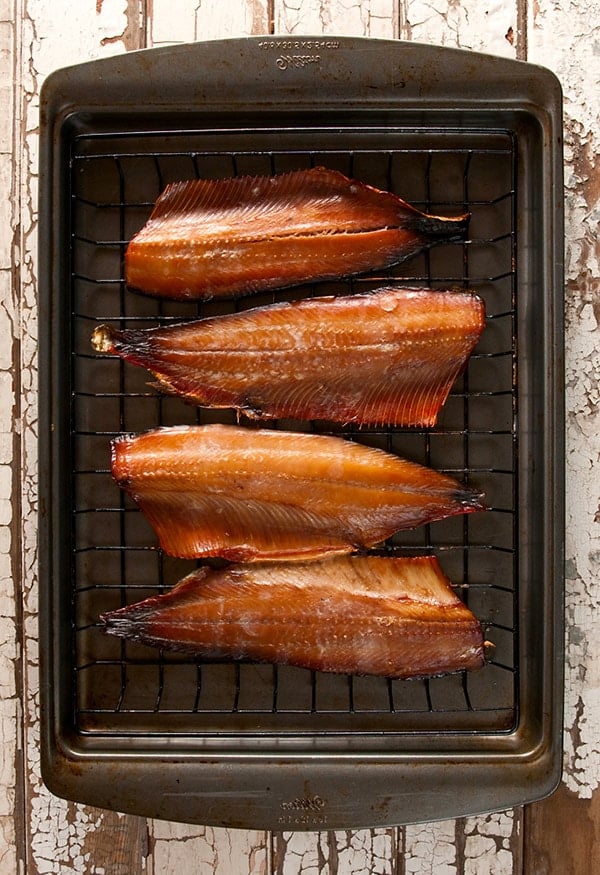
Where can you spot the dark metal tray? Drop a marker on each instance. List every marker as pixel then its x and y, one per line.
pixel 138 730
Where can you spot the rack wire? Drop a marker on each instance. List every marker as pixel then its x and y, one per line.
pixel 127 687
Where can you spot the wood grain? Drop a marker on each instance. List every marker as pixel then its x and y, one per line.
pixel 562 834
pixel 39 833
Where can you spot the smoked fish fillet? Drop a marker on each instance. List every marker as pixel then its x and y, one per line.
pixel 249 494
pixel 210 238
pixel 387 357
pixel 367 615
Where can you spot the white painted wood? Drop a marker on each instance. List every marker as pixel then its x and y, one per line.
pixel 430 848
pixel 181 848
pixel 489 843
pixel 375 18
pixel 215 19
pixel 489 26
pixel 172 22
pixel 181 21
pixel 565 37
pixel 10 711
pixel 50 35
pixel 359 852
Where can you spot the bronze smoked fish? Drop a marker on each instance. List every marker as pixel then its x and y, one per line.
pixel 387 357
pixel 220 238
pixel 250 494
pixel 368 615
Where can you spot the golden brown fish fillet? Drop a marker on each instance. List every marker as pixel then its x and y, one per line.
pixel 387 357
pixel 217 238
pixel 396 617
pixel 246 494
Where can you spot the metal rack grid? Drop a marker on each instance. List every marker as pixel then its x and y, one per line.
pixel 125 687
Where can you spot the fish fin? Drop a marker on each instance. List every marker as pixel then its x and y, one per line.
pixel 326 197
pixel 241 529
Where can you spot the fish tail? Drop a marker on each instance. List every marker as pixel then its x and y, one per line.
pixel 107 339
pixel 469 499
pixel 441 227
pixel 122 627
pixel 123 620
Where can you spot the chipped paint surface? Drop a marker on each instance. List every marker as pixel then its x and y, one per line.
pixel 430 848
pixel 359 852
pixel 56 831
pixel 10 705
pixel 373 18
pixel 490 843
pixel 577 63
pixel 183 21
pixel 177 847
pixel 470 24
pixel 37 36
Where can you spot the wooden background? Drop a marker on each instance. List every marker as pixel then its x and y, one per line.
pixel 42 834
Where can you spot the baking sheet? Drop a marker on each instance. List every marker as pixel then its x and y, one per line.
pixel 113 701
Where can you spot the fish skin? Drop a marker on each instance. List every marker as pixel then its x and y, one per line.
pixel 388 357
pixel 249 494
pixel 368 615
pixel 226 237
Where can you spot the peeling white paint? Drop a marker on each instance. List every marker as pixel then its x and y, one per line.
pixel 375 18
pixel 51 35
pixel 487 844
pixel 301 854
pixel 574 55
pixel 215 19
pixel 218 851
pixel 469 24
pixel 173 22
pixel 10 711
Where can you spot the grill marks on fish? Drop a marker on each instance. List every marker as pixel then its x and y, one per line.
pixel 250 494
pixel 225 237
pixel 387 357
pixel 393 617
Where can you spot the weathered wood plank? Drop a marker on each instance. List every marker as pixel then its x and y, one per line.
pixel 427 849
pixel 180 848
pixel 562 834
pixel 11 821
pixel 577 64
pixel 360 852
pixel 182 21
pixel 469 24
pixel 466 846
pixel 491 843
pixel 117 844
pixel 564 37
pixel 375 18
pixel 59 836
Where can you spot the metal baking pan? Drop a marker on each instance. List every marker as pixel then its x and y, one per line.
pixel 137 730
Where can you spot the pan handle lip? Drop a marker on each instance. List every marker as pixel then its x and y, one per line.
pixel 212 73
pixel 305 793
